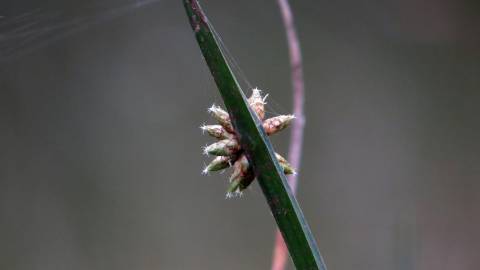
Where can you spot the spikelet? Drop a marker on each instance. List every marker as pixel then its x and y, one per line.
pixel 277 123
pixel 287 168
pixel 241 177
pixel 222 117
pixel 257 103
pixel 219 163
pixel 226 147
pixel 217 131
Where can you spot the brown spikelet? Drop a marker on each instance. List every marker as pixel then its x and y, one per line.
pixel 257 103
pixel 241 177
pixel 277 123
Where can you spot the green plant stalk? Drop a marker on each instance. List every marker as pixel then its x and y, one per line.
pixel 283 205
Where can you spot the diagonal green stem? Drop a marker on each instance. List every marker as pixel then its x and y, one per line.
pixel 283 205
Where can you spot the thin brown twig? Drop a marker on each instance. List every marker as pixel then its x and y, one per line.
pixel 280 253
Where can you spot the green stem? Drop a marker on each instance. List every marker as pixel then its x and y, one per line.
pixel 283 205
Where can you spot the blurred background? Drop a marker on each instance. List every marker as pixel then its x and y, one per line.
pixel 100 146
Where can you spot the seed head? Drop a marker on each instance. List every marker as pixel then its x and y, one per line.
pixel 228 150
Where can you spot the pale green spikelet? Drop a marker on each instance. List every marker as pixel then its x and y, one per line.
pixel 227 147
pixel 222 117
pixel 217 131
pixel 219 163
pixel 287 168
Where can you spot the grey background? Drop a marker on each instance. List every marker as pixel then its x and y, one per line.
pixel 100 147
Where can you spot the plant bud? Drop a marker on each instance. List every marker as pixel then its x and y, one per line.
pixel 219 163
pixel 222 117
pixel 276 124
pixel 287 168
pixel 217 131
pixel 257 103
pixel 225 147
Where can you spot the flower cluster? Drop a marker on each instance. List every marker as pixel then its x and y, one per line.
pixel 228 150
